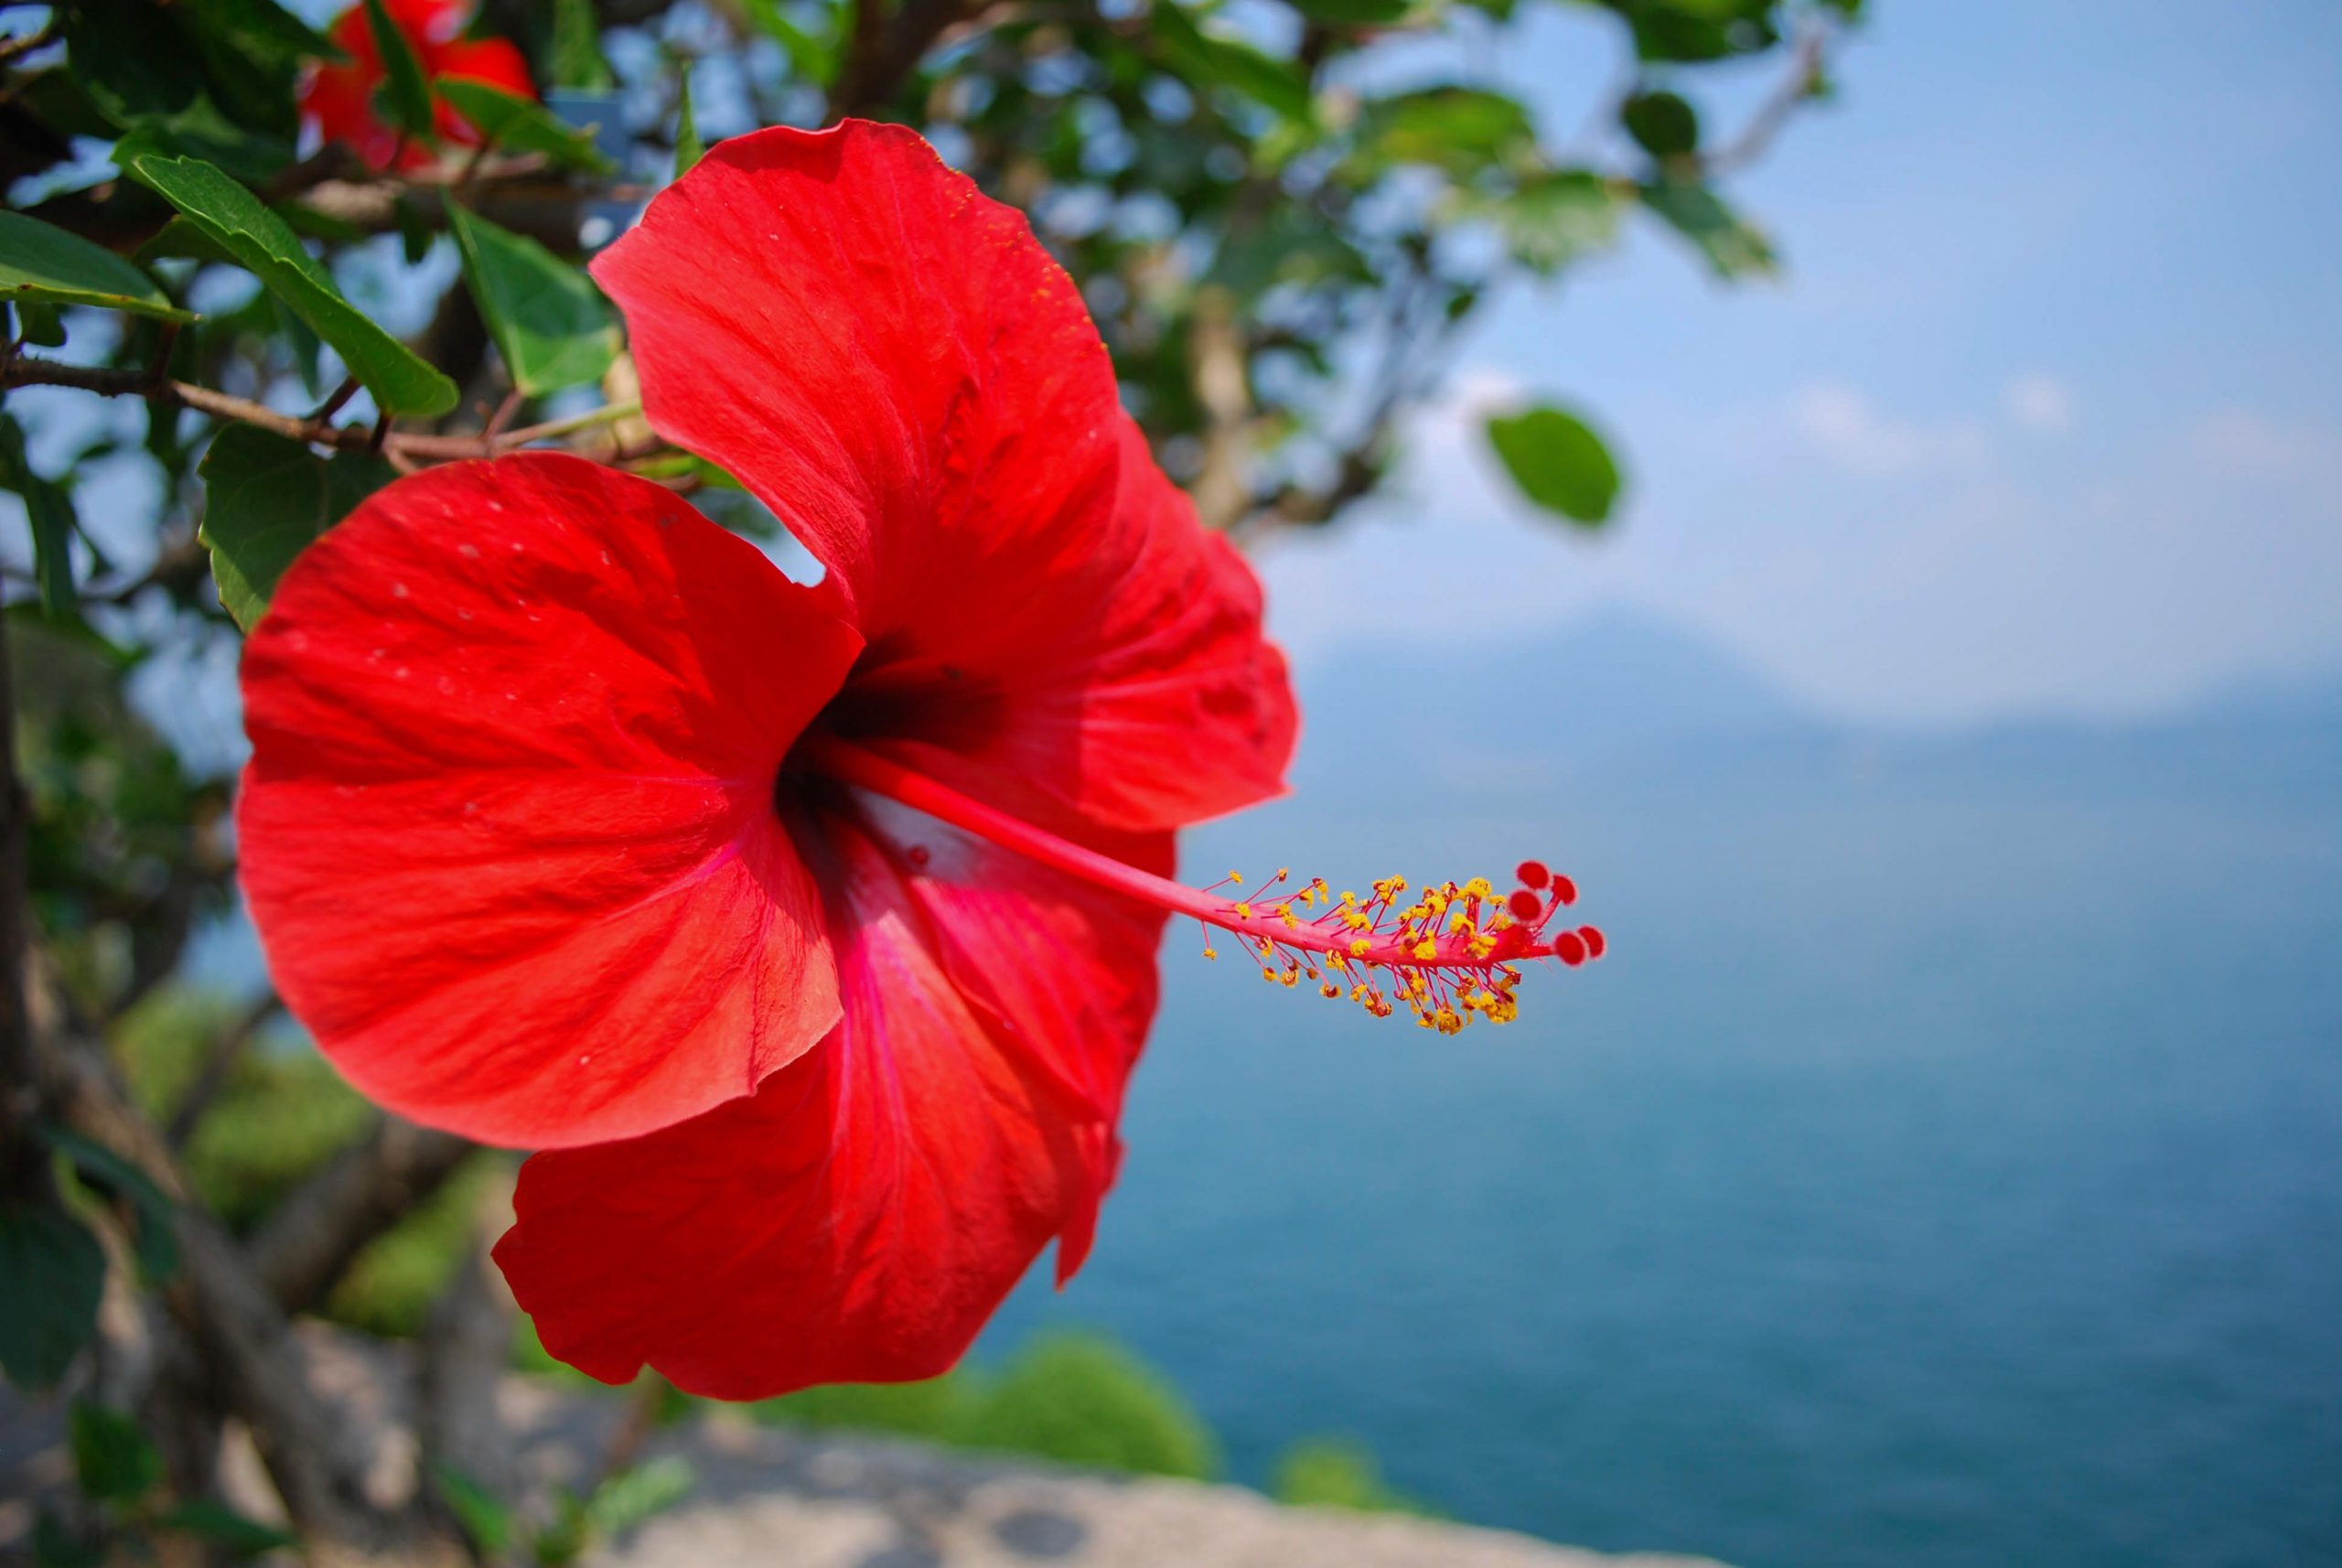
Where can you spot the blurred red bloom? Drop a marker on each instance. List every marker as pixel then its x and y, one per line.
pixel 340 99
pixel 560 831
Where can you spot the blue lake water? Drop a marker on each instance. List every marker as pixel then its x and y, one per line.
pixel 1945 1169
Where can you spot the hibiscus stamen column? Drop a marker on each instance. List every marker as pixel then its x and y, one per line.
pixel 1449 955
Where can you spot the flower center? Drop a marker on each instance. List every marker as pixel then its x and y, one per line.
pixel 1450 955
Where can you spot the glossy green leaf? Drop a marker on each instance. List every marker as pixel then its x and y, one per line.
pixel 577 54
pixel 113 1461
pixel 1352 13
pixel 633 1496
pixel 219 1526
pixel 809 57
pixel 266 245
pixel 62 1543
pixel 1460 129
pixel 404 99
pixel 689 148
pixel 115 1177
pixel 1663 125
pixel 521 126
pixel 1731 247
pixel 41 261
pixel 49 509
pixel 1558 463
pixel 552 325
pixel 266 498
pixel 1211 60
pixel 479 1513
pixel 55 1272
pixel 1550 222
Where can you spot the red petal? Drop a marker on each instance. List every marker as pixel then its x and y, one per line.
pixel 508 831
pixel 894 364
pixel 861 1217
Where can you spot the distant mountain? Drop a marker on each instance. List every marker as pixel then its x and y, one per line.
pixel 1610 685
pixel 1644 703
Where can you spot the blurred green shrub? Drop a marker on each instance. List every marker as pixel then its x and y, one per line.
pixel 1079 1399
pixel 1334 1473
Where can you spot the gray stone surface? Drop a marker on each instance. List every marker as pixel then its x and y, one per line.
pixel 775 1500
pixel 770 1498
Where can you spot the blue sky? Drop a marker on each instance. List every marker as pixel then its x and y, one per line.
pixel 2045 416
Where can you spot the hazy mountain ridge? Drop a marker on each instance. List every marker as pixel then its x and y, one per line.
pixel 1622 695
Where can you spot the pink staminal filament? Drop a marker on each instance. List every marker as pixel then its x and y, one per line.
pixel 1445 962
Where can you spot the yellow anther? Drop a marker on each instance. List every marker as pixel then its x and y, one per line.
pixel 1291 919
pixel 1355 920
pixel 1459 921
pixel 1478 887
pixel 1236 878
pixel 1483 946
pixel 1211 952
pixel 1269 974
pixel 1360 946
pixel 1426 949
pixel 1330 991
pixel 1243 911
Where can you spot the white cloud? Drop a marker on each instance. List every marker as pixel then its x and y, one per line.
pixel 2039 402
pixel 1845 428
pixel 2240 441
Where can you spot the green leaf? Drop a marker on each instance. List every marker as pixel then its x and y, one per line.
pixel 689 148
pixel 1460 129
pixel 1663 125
pixel 114 1461
pixel 506 121
pixel 41 261
pixel 1210 60
pixel 630 1497
pixel 217 1524
pixel 39 324
pixel 265 245
pixel 1733 247
pixel 552 325
pixel 266 498
pixel 479 1513
pixel 577 60
pixel 808 57
pixel 55 1271
pixel 110 1174
pixel 1558 463
pixel 1352 13
pixel 1551 220
pixel 49 509
pixel 60 1544
pixel 405 96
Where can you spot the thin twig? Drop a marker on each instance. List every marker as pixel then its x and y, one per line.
pixel 1808 56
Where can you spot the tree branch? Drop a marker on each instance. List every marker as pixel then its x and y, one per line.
pixel 27 371
pixel 1808 56
pixel 364 1190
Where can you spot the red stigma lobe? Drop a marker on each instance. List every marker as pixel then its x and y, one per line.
pixel 1450 954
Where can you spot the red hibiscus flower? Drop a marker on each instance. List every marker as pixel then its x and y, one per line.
pixel 340 99
pixel 810 929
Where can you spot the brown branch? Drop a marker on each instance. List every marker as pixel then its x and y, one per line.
pixel 24 1166
pixel 1808 57
pixel 16 49
pixel 364 1190
pixel 27 371
pixel 465 1346
pixel 220 1060
pixel 242 1336
pixel 885 49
